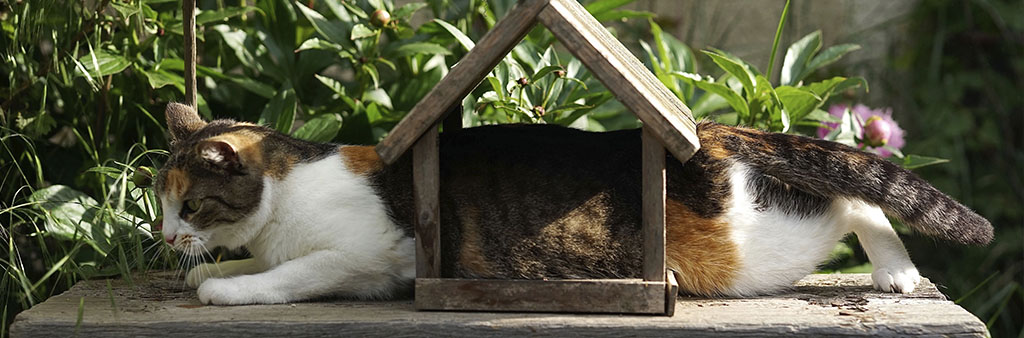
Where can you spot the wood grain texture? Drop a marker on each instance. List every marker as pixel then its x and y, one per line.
pixel 426 189
pixel 591 296
pixel 653 208
pixel 462 78
pixel 671 293
pixel 188 13
pixel 158 305
pixel 633 85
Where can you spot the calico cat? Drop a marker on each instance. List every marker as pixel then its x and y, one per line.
pixel 749 214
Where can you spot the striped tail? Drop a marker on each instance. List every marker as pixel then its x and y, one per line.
pixel 831 170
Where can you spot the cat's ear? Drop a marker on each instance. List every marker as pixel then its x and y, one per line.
pixel 221 154
pixel 182 121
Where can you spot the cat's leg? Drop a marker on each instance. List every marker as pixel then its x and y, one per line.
pixel 205 271
pixel 893 270
pixel 320 273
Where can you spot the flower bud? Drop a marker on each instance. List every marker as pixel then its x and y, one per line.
pixel 538 111
pixel 523 81
pixel 380 18
pixel 143 177
pixel 560 73
pixel 877 131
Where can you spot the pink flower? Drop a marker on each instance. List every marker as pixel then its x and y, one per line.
pixel 878 124
pixel 877 131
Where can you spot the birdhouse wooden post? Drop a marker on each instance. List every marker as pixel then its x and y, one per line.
pixel 667 123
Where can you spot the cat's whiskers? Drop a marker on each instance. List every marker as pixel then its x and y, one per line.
pixel 213 260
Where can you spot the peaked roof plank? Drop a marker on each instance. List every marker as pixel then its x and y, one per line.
pixel 669 119
pixel 462 78
pixel 623 75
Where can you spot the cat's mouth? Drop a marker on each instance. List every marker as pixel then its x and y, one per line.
pixel 187 243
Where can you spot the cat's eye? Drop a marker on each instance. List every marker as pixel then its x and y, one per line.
pixel 193 205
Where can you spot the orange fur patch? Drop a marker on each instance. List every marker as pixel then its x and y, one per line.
pixel 361 160
pixel 177 183
pixel 699 249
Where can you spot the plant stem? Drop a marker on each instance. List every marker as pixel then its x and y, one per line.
pixel 775 44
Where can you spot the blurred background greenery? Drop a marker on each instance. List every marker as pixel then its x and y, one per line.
pixel 88 80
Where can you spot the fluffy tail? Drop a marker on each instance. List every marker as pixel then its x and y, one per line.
pixel 831 169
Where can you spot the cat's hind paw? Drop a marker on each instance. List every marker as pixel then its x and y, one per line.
pixel 899 280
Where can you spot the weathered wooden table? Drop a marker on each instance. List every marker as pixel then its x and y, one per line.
pixel 819 305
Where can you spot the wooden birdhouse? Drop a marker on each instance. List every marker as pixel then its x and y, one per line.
pixel 667 123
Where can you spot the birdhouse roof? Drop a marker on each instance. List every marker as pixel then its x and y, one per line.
pixel 625 76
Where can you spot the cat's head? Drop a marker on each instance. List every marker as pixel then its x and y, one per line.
pixel 212 186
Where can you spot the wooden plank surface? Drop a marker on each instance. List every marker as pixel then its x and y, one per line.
pixel 426 188
pixel 623 75
pixel 592 296
pixel 653 208
pixel 462 78
pixel 820 305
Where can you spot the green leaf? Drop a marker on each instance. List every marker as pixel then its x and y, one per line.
pixel 321 128
pixel 497 87
pixel 543 72
pixel 464 40
pixel 333 84
pixel 361 31
pixel 235 39
pixel 279 113
pixel 371 70
pixel 408 10
pixel 662 47
pixel 333 31
pixel 852 82
pixel 125 10
pixel 420 48
pixel 355 10
pixel 736 68
pixel 73 215
pixel 102 63
pixel 379 96
pixel 822 116
pixel 315 43
pixel 917 161
pixel 827 57
pixel 217 15
pixel 735 101
pixel 797 56
pixel 160 78
pixel 577 81
pixel 798 102
pixel 601 6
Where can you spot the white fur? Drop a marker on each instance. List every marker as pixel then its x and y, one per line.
pixel 320 231
pixel 776 249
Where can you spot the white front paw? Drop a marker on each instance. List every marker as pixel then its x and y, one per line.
pixel 198 274
pixel 901 280
pixel 222 291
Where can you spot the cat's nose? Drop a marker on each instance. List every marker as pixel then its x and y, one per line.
pixel 169 239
